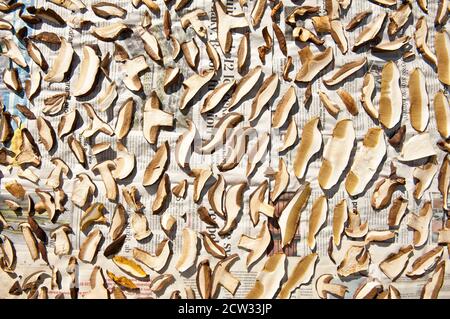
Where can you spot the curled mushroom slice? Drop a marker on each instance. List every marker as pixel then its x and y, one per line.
pixel 384 189
pixel 284 107
pixel 426 262
pixel 10 49
pixel 151 45
pixel 154 118
pixel 162 194
pixel 390 106
pixel 61 64
pixel 423 177
pixel 290 137
pixel 54 104
pixel 168 223
pixel 311 143
pixel 205 217
pixel 222 127
pixel 62 241
pixel 258 203
pixel 302 34
pixel 368 289
pixel 132 68
pixel 290 216
pixel 317 218
pixel 370 31
pixel 442 45
pixel 90 64
pixel 269 278
pixel 395 263
pixel 301 274
pixel 122 281
pixel 442 114
pixel 397 211
pixel 233 203
pixel 434 284
pixel 356 260
pixel 398 18
pixel 391 46
pixel 157 165
pixel 193 85
pixel 357 20
pixel 245 85
pixel 366 162
pixel 336 153
pixel 243 51
pixel 46 133
pixel 77 149
pixel 216 195
pixel 257 152
pixel 110 32
pixel 338 35
pixel 215 96
pixel 355 228
pixel 33 85
pixel 8 259
pixel 158 261
pixel 420 37
pixel 108 10
pixel 226 24
pixel 223 277
pixel 444 181
pixel 345 71
pixel 139 225
pixel 330 106
pixel 191 53
pixel 312 63
pixel 11 80
pixel 107 96
pixel 161 282
pixel 281 180
pixel 90 245
pixel 204 279
pixel 325 287
pixel 201 176
pixel 118 222
pixel 30 240
pixel 94 214
pixel 418 97
pixel 417 147
pixel 36 55
pixel 183 148
pixel 189 250
pixel 180 189
pixel 257 246
pixel 125 118
pixel 442 13
pixel 367 91
pixel 421 224
pixel 60 169
pixel 212 247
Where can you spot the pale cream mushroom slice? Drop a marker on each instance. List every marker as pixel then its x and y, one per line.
pixel 90 64
pixel 61 169
pixel 256 245
pixel 46 133
pixel 216 194
pixel 191 53
pixel 434 284
pixel 426 262
pixel 90 246
pixel 212 247
pixel 312 63
pixel 444 181
pixel 156 261
pixel 367 161
pixel 442 46
pixel 392 46
pixel 125 119
pixel 216 96
pixel 257 153
pixel 397 211
pixel 332 108
pixel 132 198
pixel 311 143
pixel 356 260
pixel 325 287
pixel 390 293
pixel 132 68
pixel 368 289
pixel 192 19
pixel 301 274
pixel 355 228
pixel 418 97
pixel 33 85
pixel 171 75
pixel 385 188
pixel 442 114
pixel 30 240
pixel 118 222
pixel 62 244
pixel 151 44
pixel 93 214
pixel 226 24
pixel 162 194
pixel 222 277
pixel 73 5
pixel 48 204
pixel 233 204
pixel 417 147
pixel 11 80
pixel 394 264
pixel 367 92
pixel 317 219
pixel 222 131
pixel 264 95
pixel 290 216
pixel 336 154
pixel 36 55
pixel 189 250
pixel 245 85
pixel 61 64
pixel 157 166
pixel 155 118
pixel 338 35
pixel 243 51
pixel 281 180
pixel 108 10
pixel 184 147
pixel 420 37
pixel 303 34
pixel 345 71
pixel 96 124
pixel 390 106
pixel 193 85
pixel 398 18
pixel 125 162
pixel 110 32
pixel 370 31
pixel 139 226
pixel 168 223
pixel 269 278
pixel 67 123
pixel 97 284
pixel 29 175
pixel 105 170
pixel 284 107
pixel 150 4
pixel 180 189
pixel 54 104
pixel 83 189
pixel 290 136
pixel 201 177
pixel 423 176
pixel 420 223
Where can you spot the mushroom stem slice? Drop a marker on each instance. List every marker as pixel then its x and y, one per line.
pixel 269 278
pixel 222 277
pixel 311 143
pixel 345 71
pixel 154 118
pixel 257 246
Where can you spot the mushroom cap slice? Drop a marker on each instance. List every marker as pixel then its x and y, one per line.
pixel 418 97
pixel 269 278
pixel 130 267
pixel 215 96
pixel 125 118
pixel 398 210
pixel 257 246
pixel 417 147
pixel 281 180
pixel 395 263
pixel 257 152
pixel 183 148
pixel 336 153
pixel 154 118
pixel 290 216
pixel 125 162
pixel 324 287
pixel 442 114
pixel 204 279
pixel 245 85
pixel 139 225
pixel 90 245
pixel 157 166
pixel 189 250
pixel 312 64
pixel 368 289
pixel 311 143
pixel 345 71
pixel 284 107
pixel 371 30
pixel 232 206
pixel 367 91
pixel 317 218
pixel 46 133
pixel 61 64
pixel 90 64
pixel 390 107
pixel 421 224
pixel 216 195
pixel 442 45
pixel 94 214
pixel 426 262
pixel 110 32
pixel 212 247
pixel 192 86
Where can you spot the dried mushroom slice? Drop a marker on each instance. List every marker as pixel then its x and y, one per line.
pixel 356 260
pixel 8 251
pixel 204 279
pixel 395 263
pixel 340 216
pixel 130 267
pixel 62 243
pixel 311 143
pixel 243 51
pixel 442 46
pixel 348 101
pixel 269 278
pixel 161 282
pixel 10 49
pixel 264 95
pixel 191 53
pixel 302 34
pixel 399 18
pixel 301 274
pixel 357 20
pixel 423 176
pixel 384 189
pixel 122 281
pixel 257 246
pixel 442 114
pixel 442 13
pixel 290 136
pixel 312 63
pixel 317 219
pixel 61 64
pixel 421 224
pixel 367 91
pixel 444 181
pixel 201 177
pixel 168 223
pixel 90 64
pixel 397 212
pixel 33 85
pixel 162 194
pixel 284 107
pixel 257 152
pixel 368 289
pixel 212 247
pixel 330 106
pixel 426 262
pixel 434 284
pixel 77 149
pixel 192 19
pixel 216 195
pixel 46 133
pixel 96 124
pixel 390 106
pixel 11 80
pixel 325 287
pixel 90 245
pixel 420 37
pixel 392 46
pixel 125 118
pixel 183 148
pixel 338 35
pixel 281 180
pixel 132 68
pixel 154 118
pixel 355 228
pixel 30 240
pixel 55 177
pixel 193 85
pixel 322 24
pixel 216 96
pixel 108 10
pixel 222 127
pixel 205 217
pixel 290 216
pixel 157 166
pixel 139 225
pixel 105 170
pixel 233 203
pixel 370 31
pixel 245 85
pixel 125 162
pixel 93 214
pixel 189 250
pixel 417 147
pixel 222 277
pixel 345 71
pixel 418 111
pixel 336 153
pixel 110 32
pixel 16 189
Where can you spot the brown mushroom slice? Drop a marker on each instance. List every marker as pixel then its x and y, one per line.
pixel 30 240
pixel 28 151
pixel 55 176
pixel 46 133
pixel 340 216
pixel 420 37
pixel 33 85
pixel 29 175
pixel 122 281
pixel 107 97
pixel 132 68
pixel 110 32
pixel 345 71
pixel 233 203
pixel 139 225
pixel 257 246
pixel 25 112
pixel 426 262
pixel 284 107
pixel 125 118
pixel 183 148
pixel 366 162
pixel 131 196
pixel 371 30
pixel 394 264
pixel 301 274
pixel 290 216
pixel 434 284
pixel 368 289
pixel 325 287
pixel 398 18
pixel 77 149
pixel 367 91
pixel 162 194
pixel 193 85
pixel 442 46
pixel 100 147
pixel 299 12
pixel 61 64
pixel 201 176
pixel 421 224
pixel 157 166
pixel 216 195
pixel 442 114
pixel 171 74
pixel 444 181
pixel 189 250
pixel 348 101
pixel 417 147
pixel 418 97
pixel 321 24
pixel 312 63
pixel 215 96
pixel 11 80
pixel 96 124
pixel 90 64
pixel 36 55
pixel 180 189
pixel 264 95
pixel 258 204
pixel 357 20
pixel 48 203
pixel 311 143
pixel 442 13
pixel 222 127
pixel 154 118
pixel 379 236
pixel 8 259
pixel 89 247
pixel 356 229
pixel 245 85
pixel 62 244
pixel 397 211
pixel 330 106
pixel 125 162
pixel 391 46
pixel 257 152
pixel 390 106
pixel 317 219
pixel 258 12
pixel 192 19
pixel 281 180
pixel 10 49
pixel 423 176
pixel 130 267
pixel 161 282
pixel 226 24
pixel 243 51
pixel 54 104
pixel 356 260
pixel 152 5
pixel 336 153
pixel 212 247
pixel 93 214
pixel 204 279
pixel 168 222
pixel 338 35
pixel 6 129
pixel 269 278
pixel 302 34
pixel 16 189
pixel 205 217
pixel 222 276
pixel 105 170
pixel 108 10
pixel 191 53
pixel 118 222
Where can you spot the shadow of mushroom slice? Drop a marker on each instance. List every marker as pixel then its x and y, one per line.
pixel 418 112
pixel 180 189
pixel 96 124
pixel 434 284
pixel 281 180
pixel 244 86
pixel 226 23
pixel 336 154
pixel 384 189
pixel 204 279
pixel 345 71
pixel 61 64
pixel 62 244
pixel 222 131
pixel 256 245
pixel 390 106
pixel 212 247
pixel 370 31
pixel 93 214
pixel 83 189
pixel 397 211
pixel 97 284
pixel 159 283
pixel 324 287
pixel 310 144
pixel 110 32
pixel 421 224
pixel 162 194
pixel 312 63
pixel 423 176
pixel 192 19
pixel 132 68
pixel 105 170
pixel 90 245
pixel 151 45
pixel 356 229
pixel 257 153
pixel 269 278
pixel 154 118
pixel 157 166
pixel 222 277
pixel 215 96
pixel 442 47
pixel 46 133
pixel 368 289
pixel 33 85
pixel 155 261
pixel 233 203
pixel 139 226
pixel 183 148
pixel 332 108
pixel 193 85
pixel 301 274
pixel 442 114
pixel 441 13
pixel 130 267
pixel 317 219
pixel 189 250
pixel 216 196
pixel 367 160
pixel 394 264
pixel 108 10
pixel 284 107
pixel 90 64
pixel 122 281
pixel 420 38
pixel 444 181
pixel 417 147
pixel 191 53
pixel 290 216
